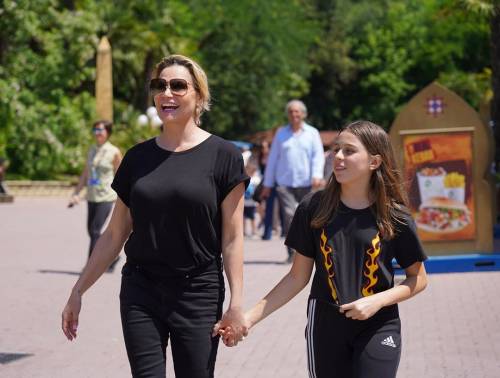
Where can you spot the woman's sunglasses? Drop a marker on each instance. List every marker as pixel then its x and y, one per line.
pixel 178 87
pixel 98 130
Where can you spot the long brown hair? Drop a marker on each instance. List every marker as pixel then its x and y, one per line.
pixel 386 184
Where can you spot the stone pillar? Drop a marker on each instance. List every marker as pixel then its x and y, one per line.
pixel 104 81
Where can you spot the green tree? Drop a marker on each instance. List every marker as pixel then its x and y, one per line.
pixel 490 10
pixel 346 58
pixel 45 51
pixel 333 67
pixel 391 50
pixel 255 54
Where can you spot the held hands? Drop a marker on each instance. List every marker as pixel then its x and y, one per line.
pixel 233 327
pixel 70 315
pixel 362 309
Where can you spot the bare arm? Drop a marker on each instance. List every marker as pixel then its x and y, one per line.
pixel 272 161
pixel 232 242
pixel 82 182
pixel 289 286
pixel 105 251
pixel 232 253
pixel 364 308
pixel 318 162
pixel 117 160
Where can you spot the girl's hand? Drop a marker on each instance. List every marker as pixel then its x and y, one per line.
pixel 362 309
pixel 70 315
pixel 229 337
pixel 232 327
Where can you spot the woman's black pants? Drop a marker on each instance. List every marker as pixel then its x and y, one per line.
pixel 182 310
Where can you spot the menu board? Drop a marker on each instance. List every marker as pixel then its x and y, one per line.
pixel 438 170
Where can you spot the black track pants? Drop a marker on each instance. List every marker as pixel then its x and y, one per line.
pixel 338 347
pixel 183 310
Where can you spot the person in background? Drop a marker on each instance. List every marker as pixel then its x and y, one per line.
pixel 263 155
pixel 350 232
pixel 246 153
pixel 103 160
pixel 180 211
pixel 3 168
pixel 295 164
pixel 266 208
pixel 250 203
pixel 329 157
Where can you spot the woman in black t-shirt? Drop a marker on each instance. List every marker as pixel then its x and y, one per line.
pixel 351 231
pixel 180 211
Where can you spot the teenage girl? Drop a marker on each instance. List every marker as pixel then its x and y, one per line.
pixel 351 231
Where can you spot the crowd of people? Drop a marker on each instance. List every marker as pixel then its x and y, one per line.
pixel 291 167
pixel 181 204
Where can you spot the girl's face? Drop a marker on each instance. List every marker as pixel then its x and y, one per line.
pixel 173 107
pixel 352 163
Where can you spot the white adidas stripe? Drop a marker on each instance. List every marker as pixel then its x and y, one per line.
pixel 389 341
pixel 310 345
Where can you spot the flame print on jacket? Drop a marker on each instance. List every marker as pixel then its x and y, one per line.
pixel 328 262
pixel 371 266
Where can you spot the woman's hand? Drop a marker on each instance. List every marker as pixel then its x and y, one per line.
pixel 70 315
pixel 363 308
pixel 233 327
pixel 74 200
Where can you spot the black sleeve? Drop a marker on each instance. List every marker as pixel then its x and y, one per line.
pixel 122 182
pixel 300 235
pixel 408 248
pixel 230 170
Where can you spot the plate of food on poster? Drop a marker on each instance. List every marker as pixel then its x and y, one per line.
pixel 438 197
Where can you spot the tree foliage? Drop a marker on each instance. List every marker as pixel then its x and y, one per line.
pixel 346 59
pixel 390 49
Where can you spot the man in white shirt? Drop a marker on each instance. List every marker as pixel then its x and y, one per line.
pixel 295 164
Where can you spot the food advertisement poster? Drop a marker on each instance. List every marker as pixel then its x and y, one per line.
pixel 438 170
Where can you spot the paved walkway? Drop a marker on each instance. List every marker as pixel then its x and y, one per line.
pixel 451 330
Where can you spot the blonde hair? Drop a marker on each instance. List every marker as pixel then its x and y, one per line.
pixel 200 81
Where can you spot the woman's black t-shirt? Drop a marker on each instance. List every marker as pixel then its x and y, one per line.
pixel 352 259
pixel 175 202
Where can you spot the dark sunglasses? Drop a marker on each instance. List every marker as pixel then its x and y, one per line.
pixel 178 87
pixel 98 130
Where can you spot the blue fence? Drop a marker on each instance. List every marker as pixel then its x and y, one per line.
pixel 459 263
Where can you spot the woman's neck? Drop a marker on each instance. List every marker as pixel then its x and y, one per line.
pixel 179 138
pixel 356 196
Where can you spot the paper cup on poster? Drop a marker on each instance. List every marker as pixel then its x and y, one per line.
pixel 430 185
pixel 457 194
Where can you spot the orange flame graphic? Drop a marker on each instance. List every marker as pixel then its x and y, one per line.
pixel 371 266
pixel 327 254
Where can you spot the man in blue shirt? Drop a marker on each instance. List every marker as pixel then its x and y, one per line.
pixel 295 164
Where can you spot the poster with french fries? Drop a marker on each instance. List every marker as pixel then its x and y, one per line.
pixel 438 172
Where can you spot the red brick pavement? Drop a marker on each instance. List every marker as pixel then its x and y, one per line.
pixel 451 330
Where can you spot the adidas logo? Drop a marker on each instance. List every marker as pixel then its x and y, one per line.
pixel 389 341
